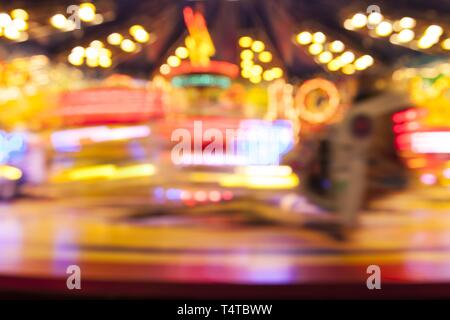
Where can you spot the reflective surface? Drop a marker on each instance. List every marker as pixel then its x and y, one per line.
pixel 121 241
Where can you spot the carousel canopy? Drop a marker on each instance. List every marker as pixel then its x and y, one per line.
pixel 395 33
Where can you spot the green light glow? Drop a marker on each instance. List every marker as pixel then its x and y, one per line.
pixel 201 80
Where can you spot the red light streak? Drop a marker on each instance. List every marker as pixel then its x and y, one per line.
pixel 110 105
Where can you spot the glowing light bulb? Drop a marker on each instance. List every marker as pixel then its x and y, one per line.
pixel 358 20
pixel 348 69
pixel 164 69
pixel 258 46
pixel 277 72
pixel 347 57
pixel 319 37
pixel 268 75
pixel 19 14
pixel 434 31
pixel 375 18
pixel 78 51
pixel 135 28
pixel 406 35
pixel 114 39
pixel 92 53
pixel 141 36
pixel 256 70
pixel 5 20
pixel 247 54
pixel 173 61
pixel 407 23
pixel 86 12
pixel 315 48
pixel 348 24
pixel 446 44
pixel 425 43
pixel 325 57
pixel 75 59
pixel 363 62
pixel 96 44
pixel 20 24
pixel 304 38
pixel 246 74
pixel 255 79
pixel 58 21
pixel 265 57
pixel 334 65
pixel 182 52
pixel 92 63
pixel 104 61
pixel 11 32
pixel 245 42
pixel 337 46
pixel 384 29
pixel 127 45
pixel 105 52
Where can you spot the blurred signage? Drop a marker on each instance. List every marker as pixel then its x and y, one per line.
pixel 424 149
pixel 110 105
pixel 201 80
pixel 214 67
pixel 247 142
pixel 73 139
pixel 10 144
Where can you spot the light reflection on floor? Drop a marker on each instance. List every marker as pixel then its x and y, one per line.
pixel 40 238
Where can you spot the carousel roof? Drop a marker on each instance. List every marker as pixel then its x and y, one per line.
pixel 276 22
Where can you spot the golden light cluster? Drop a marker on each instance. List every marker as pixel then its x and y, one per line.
pixel 174 60
pixel 139 34
pixel 333 53
pixel 13 26
pixel 96 55
pixel 404 31
pixel 254 60
pixel 87 12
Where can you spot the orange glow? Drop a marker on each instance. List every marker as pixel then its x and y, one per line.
pixel 199 43
pixel 320 114
pixel 214 67
pixel 417 163
pixel 105 105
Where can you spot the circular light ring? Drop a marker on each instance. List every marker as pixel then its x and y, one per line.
pixel 322 116
pixel 224 68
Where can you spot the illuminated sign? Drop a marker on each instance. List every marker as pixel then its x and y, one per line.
pixel 201 80
pixel 317 101
pixel 414 136
pixel 214 67
pixel 10 144
pixel 74 138
pixel 424 148
pixel 110 105
pixel 253 142
pixel 431 142
pixel 105 172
